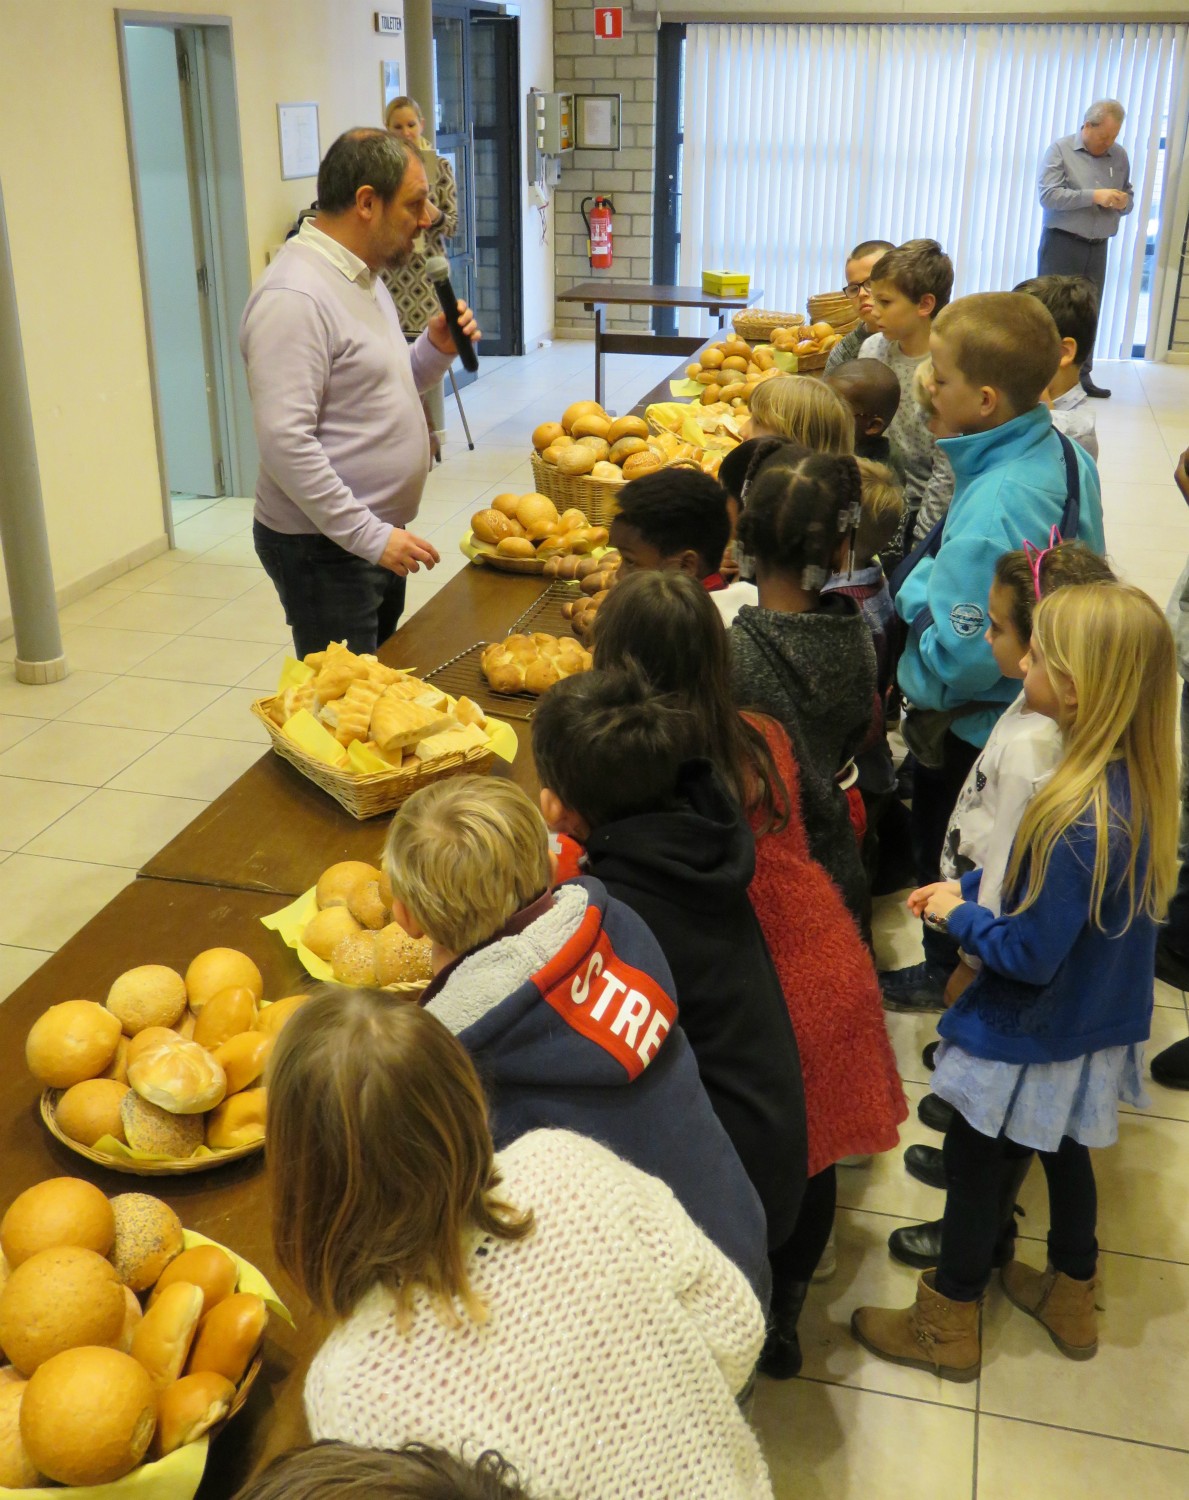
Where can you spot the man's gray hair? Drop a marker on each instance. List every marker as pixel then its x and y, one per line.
pixel 363 157
pixel 1103 109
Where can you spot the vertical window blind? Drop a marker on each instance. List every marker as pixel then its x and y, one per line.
pixel 800 141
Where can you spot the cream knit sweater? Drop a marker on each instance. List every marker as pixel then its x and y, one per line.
pixel 617 1339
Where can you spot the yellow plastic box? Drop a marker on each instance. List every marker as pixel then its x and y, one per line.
pixel 726 283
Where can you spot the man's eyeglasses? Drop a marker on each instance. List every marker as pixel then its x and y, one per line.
pixel 853 288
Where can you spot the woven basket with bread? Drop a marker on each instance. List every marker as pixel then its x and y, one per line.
pixel 130 1342
pixel 520 533
pixel 166 1075
pixel 583 460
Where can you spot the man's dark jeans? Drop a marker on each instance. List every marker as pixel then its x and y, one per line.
pixel 329 594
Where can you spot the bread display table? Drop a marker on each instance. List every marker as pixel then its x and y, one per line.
pixel 274 830
pixel 160 921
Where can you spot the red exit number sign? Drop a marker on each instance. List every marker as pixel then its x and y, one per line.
pixel 609 23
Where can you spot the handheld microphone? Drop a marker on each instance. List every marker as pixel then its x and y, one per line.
pixel 437 268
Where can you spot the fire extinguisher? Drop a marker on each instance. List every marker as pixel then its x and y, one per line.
pixel 598 231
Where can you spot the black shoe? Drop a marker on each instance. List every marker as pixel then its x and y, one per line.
pixel 934 1112
pixel 920 987
pixel 1094 390
pixel 1171 966
pixel 780 1358
pixel 919 1245
pixel 929 1056
pixel 1171 1067
pixel 926 1165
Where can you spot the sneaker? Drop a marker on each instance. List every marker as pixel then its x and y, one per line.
pixel 921 987
pixel 828 1264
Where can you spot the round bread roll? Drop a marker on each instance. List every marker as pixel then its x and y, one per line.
pixel 180 1076
pixel 490 525
pixel 401 959
pixel 243 1058
pixel 58 1211
pixel 578 409
pixel 593 424
pixel 506 504
pixel 73 1040
pixel 546 433
pixel 148 1237
pixel 205 1266
pixel 157 1131
pixel 337 884
pixel 117 1069
pixel 533 507
pixel 190 1407
pixel 57 1300
pixel 271 1018
pixel 516 546
pixel 623 449
pixel 367 906
pixel 90 1110
pixel 551 454
pixel 163 1336
pixel 600 447
pixel 354 959
pixel 229 1336
pixel 608 472
pixel 626 427
pixel 150 995
pixel 151 1036
pixel 88 1416
pixel 223 1016
pixel 327 928
pixel 238 1121
pixel 571 520
pixel 218 969
pixel 576 460
pixel 647 462
pixel 133 1313
pixel 17 1469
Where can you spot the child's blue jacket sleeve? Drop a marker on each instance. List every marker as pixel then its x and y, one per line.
pixel 1033 944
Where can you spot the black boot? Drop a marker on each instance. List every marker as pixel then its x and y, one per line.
pixel 780 1358
pixel 919 1245
pixel 929 1055
pixel 926 1165
pixel 935 1112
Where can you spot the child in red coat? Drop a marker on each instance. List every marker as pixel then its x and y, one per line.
pixel 669 627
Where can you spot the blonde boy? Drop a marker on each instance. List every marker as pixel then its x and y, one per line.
pixel 564 999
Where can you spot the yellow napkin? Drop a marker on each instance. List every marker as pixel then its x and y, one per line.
pixel 178 1475
pixel 290 922
pixel 502 739
pixel 314 738
pixel 366 762
pixel 111 1147
pixel 786 360
pixel 293 674
pixel 685 387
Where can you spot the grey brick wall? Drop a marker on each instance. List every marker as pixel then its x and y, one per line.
pixel 585 65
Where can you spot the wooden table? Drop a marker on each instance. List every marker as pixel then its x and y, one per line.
pixel 597 296
pixel 159 921
pixel 274 830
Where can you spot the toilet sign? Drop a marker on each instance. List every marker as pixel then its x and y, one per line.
pixel 609 23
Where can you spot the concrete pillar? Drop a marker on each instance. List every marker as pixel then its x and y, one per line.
pixel 419 59
pixel 23 537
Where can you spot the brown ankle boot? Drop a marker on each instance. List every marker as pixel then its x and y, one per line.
pixel 1067 1308
pixel 933 1334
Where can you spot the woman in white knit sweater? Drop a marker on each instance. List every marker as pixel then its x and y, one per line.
pixel 551 1302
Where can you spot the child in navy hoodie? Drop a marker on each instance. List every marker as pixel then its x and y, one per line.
pixel 663 836
pixel 564 1000
pixel 1048 1037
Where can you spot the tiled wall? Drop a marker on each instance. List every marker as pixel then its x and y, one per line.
pixel 585 65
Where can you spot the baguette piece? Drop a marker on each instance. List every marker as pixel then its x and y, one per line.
pixel 398 724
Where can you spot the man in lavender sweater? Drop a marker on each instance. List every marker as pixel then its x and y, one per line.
pixel 344 449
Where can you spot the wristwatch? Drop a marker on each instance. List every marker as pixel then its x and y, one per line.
pixel 938 924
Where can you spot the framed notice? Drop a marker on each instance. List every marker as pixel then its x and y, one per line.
pixel 597 122
pixel 389 83
pixel 297 127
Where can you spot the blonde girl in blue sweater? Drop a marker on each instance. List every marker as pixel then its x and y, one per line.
pixel 1048 1038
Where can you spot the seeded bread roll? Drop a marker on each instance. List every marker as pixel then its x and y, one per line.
pixel 150 995
pixel 148 1237
pixel 354 959
pixel 401 959
pixel 156 1131
pixel 73 1040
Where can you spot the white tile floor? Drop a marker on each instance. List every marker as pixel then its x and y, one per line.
pixel 98 771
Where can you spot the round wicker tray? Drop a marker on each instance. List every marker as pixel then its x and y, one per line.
pixel 165 1167
pixel 531 565
pixel 596 498
pixel 757 324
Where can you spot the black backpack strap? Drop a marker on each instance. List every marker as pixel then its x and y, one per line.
pixel 928 546
pixel 1071 516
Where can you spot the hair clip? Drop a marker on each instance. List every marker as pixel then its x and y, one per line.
pixel 813 579
pixel 1037 555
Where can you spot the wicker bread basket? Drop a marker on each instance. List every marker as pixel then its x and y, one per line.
pixel 175 1166
pixel 757 324
pixel 596 498
pixel 828 306
pixel 381 792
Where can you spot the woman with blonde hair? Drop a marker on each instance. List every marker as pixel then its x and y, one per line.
pixel 1048 1038
pixel 522 1302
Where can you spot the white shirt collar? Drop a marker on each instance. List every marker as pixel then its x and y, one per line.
pixel 338 255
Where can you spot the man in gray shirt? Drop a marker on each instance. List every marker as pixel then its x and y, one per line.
pixel 1085 189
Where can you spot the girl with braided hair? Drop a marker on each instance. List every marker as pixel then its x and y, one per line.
pixel 805 658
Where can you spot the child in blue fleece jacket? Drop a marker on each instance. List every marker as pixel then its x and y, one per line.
pixel 565 1002
pixel 1048 1037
